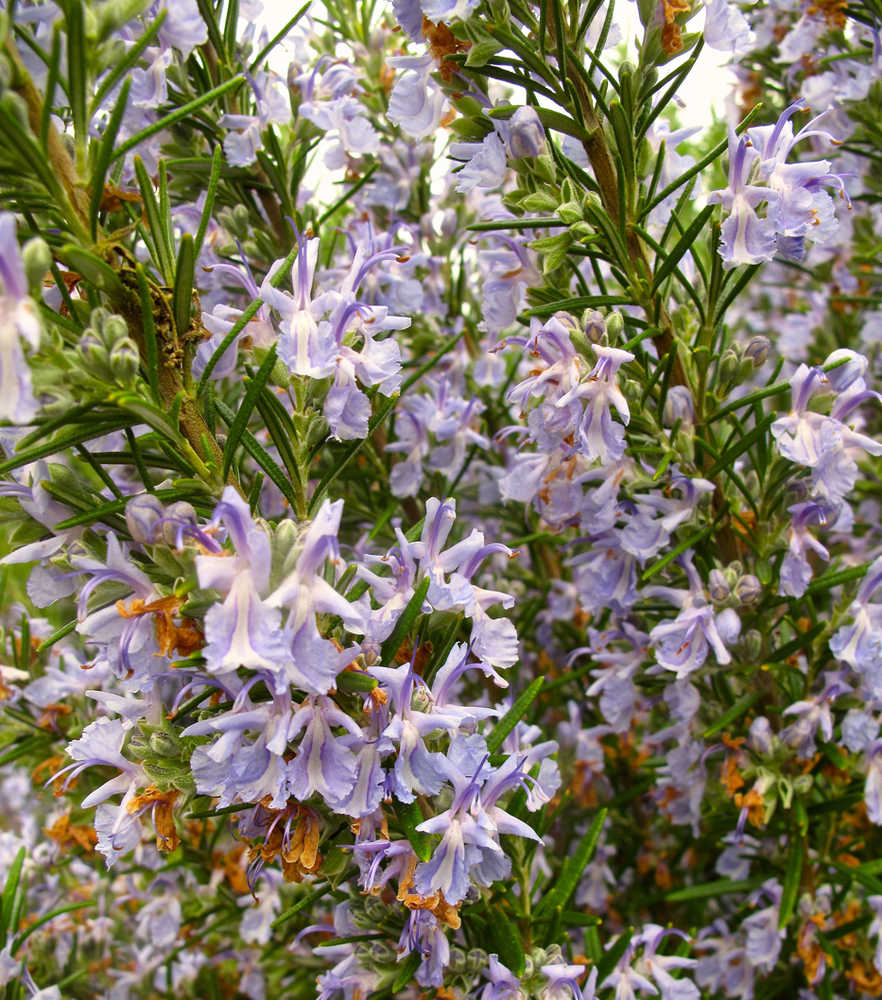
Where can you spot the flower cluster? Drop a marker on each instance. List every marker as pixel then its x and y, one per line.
pixel 440 503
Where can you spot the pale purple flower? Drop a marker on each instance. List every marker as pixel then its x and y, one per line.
pixel 485 163
pixel 243 631
pixel 244 139
pixel 18 321
pixel 324 765
pixel 796 571
pixel 416 103
pixel 727 29
pixel 745 237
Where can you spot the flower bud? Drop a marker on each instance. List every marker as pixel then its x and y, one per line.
pixel 757 351
pixel 458 963
pixel 678 406
pixel 526 136
pixel 730 365
pixel 615 325
pixel 753 644
pixel 595 325
pixel 93 354
pixel 759 738
pixel 177 515
pixel 109 327
pixel 164 744
pixel 37 260
pixel 748 589
pixel 143 513
pixel 477 959
pixel 382 953
pixel 124 361
pixel 718 586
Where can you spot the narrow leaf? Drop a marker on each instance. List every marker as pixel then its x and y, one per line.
pixel 237 428
pixel 177 115
pixel 574 866
pixel 259 454
pixel 405 622
pixel 790 886
pixel 683 245
pixel 183 295
pixel 211 192
pixel 410 816
pixel 514 715
pixel 10 890
pixel 105 154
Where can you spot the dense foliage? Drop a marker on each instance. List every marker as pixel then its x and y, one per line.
pixel 441 501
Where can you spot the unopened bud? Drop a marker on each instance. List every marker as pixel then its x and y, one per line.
pixel 730 365
pixel 177 515
pixel 748 589
pixel 124 361
pixel 526 136
pixel 759 738
pixel 757 351
pixel 164 744
pixel 143 513
pixel 594 324
pixel 678 406
pixel 458 963
pixel 752 641
pixel 37 260
pixel 718 586
pixel 477 959
pixel 615 325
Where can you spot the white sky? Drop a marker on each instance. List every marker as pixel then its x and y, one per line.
pixel 708 85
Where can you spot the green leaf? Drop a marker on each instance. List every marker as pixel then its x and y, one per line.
pixel 151 349
pixel 156 241
pixel 341 201
pixel 10 890
pixel 77 435
pixel 105 154
pixel 684 244
pixel 482 52
pixel 183 294
pixel 259 454
pixel 405 622
pixel 92 268
pixel 239 425
pixel 571 873
pixel 790 885
pixel 211 192
pixel 574 304
pixel 719 887
pixel 77 69
pixel 508 942
pixel 410 816
pixel 407 970
pixel 733 713
pixel 611 956
pixel 514 715
pixel 180 113
pixel 69 908
pixel 670 556
pixel 797 645
pixel 322 889
pixel 735 451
